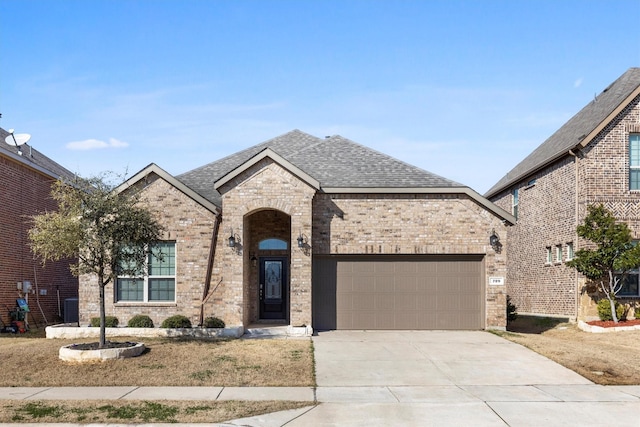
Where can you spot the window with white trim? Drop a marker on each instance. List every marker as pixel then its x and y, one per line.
pixel 516 200
pixel 570 253
pixel 549 256
pixel 558 253
pixel 634 162
pixel 159 284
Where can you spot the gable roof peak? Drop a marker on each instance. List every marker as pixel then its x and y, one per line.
pixel 578 131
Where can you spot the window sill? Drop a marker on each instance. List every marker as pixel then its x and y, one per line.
pixel 145 304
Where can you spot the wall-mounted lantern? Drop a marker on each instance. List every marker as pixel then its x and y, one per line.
pixel 494 241
pixel 302 241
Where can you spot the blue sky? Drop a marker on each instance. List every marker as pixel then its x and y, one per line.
pixel 464 89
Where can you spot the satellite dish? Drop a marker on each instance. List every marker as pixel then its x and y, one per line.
pixel 17 139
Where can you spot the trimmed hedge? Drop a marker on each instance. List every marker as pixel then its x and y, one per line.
pixel 109 322
pixel 140 321
pixel 213 322
pixel 177 321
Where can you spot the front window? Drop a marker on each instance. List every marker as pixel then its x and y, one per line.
pixel 630 284
pixel 634 162
pixel 569 251
pixel 159 284
pixel 549 259
pixel 630 287
pixel 516 200
pixel 559 253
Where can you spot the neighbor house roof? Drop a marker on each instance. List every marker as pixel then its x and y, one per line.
pixel 578 131
pixel 33 159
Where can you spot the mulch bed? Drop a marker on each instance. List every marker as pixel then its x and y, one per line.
pixel 611 324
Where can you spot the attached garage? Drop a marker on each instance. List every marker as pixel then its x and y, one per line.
pixel 378 292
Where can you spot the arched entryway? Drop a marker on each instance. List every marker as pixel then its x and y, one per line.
pixel 268 254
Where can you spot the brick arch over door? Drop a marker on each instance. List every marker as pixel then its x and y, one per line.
pixel 260 225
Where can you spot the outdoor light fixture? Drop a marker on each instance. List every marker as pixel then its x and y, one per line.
pixel 494 240
pixel 254 260
pixel 232 239
pixel 301 241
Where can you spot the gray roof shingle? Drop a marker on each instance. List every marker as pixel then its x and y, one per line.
pixel 33 157
pixel 574 131
pixel 335 162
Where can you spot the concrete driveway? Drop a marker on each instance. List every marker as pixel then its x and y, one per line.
pixel 441 378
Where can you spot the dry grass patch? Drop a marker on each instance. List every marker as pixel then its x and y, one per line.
pixel 29 362
pixel 134 412
pixel 604 358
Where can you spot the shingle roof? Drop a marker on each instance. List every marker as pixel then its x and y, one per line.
pixel 34 158
pixel 574 131
pixel 336 162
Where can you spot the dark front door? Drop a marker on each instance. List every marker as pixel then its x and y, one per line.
pixel 273 287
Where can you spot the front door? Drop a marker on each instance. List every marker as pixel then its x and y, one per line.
pixel 273 287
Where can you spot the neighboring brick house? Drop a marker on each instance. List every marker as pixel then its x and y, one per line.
pixel 26 176
pixel 320 233
pixel 594 158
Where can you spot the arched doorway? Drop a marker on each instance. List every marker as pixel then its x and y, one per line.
pixel 269 234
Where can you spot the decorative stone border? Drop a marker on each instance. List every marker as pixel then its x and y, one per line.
pixel 600 330
pixel 69 331
pixel 69 354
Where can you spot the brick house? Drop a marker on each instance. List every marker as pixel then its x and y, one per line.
pixel 320 233
pixel 594 158
pixel 26 176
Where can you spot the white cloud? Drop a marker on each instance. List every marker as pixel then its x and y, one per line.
pixel 96 144
pixel 578 83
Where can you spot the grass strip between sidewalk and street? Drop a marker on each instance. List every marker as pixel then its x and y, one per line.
pixel 135 412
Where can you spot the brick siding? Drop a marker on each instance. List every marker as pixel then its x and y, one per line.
pixel 188 224
pixel 268 201
pixel 25 192
pixel 550 210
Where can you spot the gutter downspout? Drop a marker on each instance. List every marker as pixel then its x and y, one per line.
pixel 575 225
pixel 212 255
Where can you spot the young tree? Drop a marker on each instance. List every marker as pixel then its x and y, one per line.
pixel 109 233
pixel 614 255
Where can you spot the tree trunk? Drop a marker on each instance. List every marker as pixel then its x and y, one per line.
pixel 614 315
pixel 103 320
pixel 611 296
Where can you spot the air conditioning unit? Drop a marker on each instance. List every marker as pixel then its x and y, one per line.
pixel 71 310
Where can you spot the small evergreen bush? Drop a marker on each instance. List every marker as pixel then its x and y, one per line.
pixel 177 321
pixel 140 321
pixel 604 310
pixel 109 322
pixel 213 322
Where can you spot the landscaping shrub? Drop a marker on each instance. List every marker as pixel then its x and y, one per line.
pixel 140 321
pixel 177 321
pixel 213 322
pixel 109 322
pixel 512 310
pixel 604 310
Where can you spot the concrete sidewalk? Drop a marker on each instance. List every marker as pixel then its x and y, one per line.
pixel 438 405
pixel 298 394
pixel 410 378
